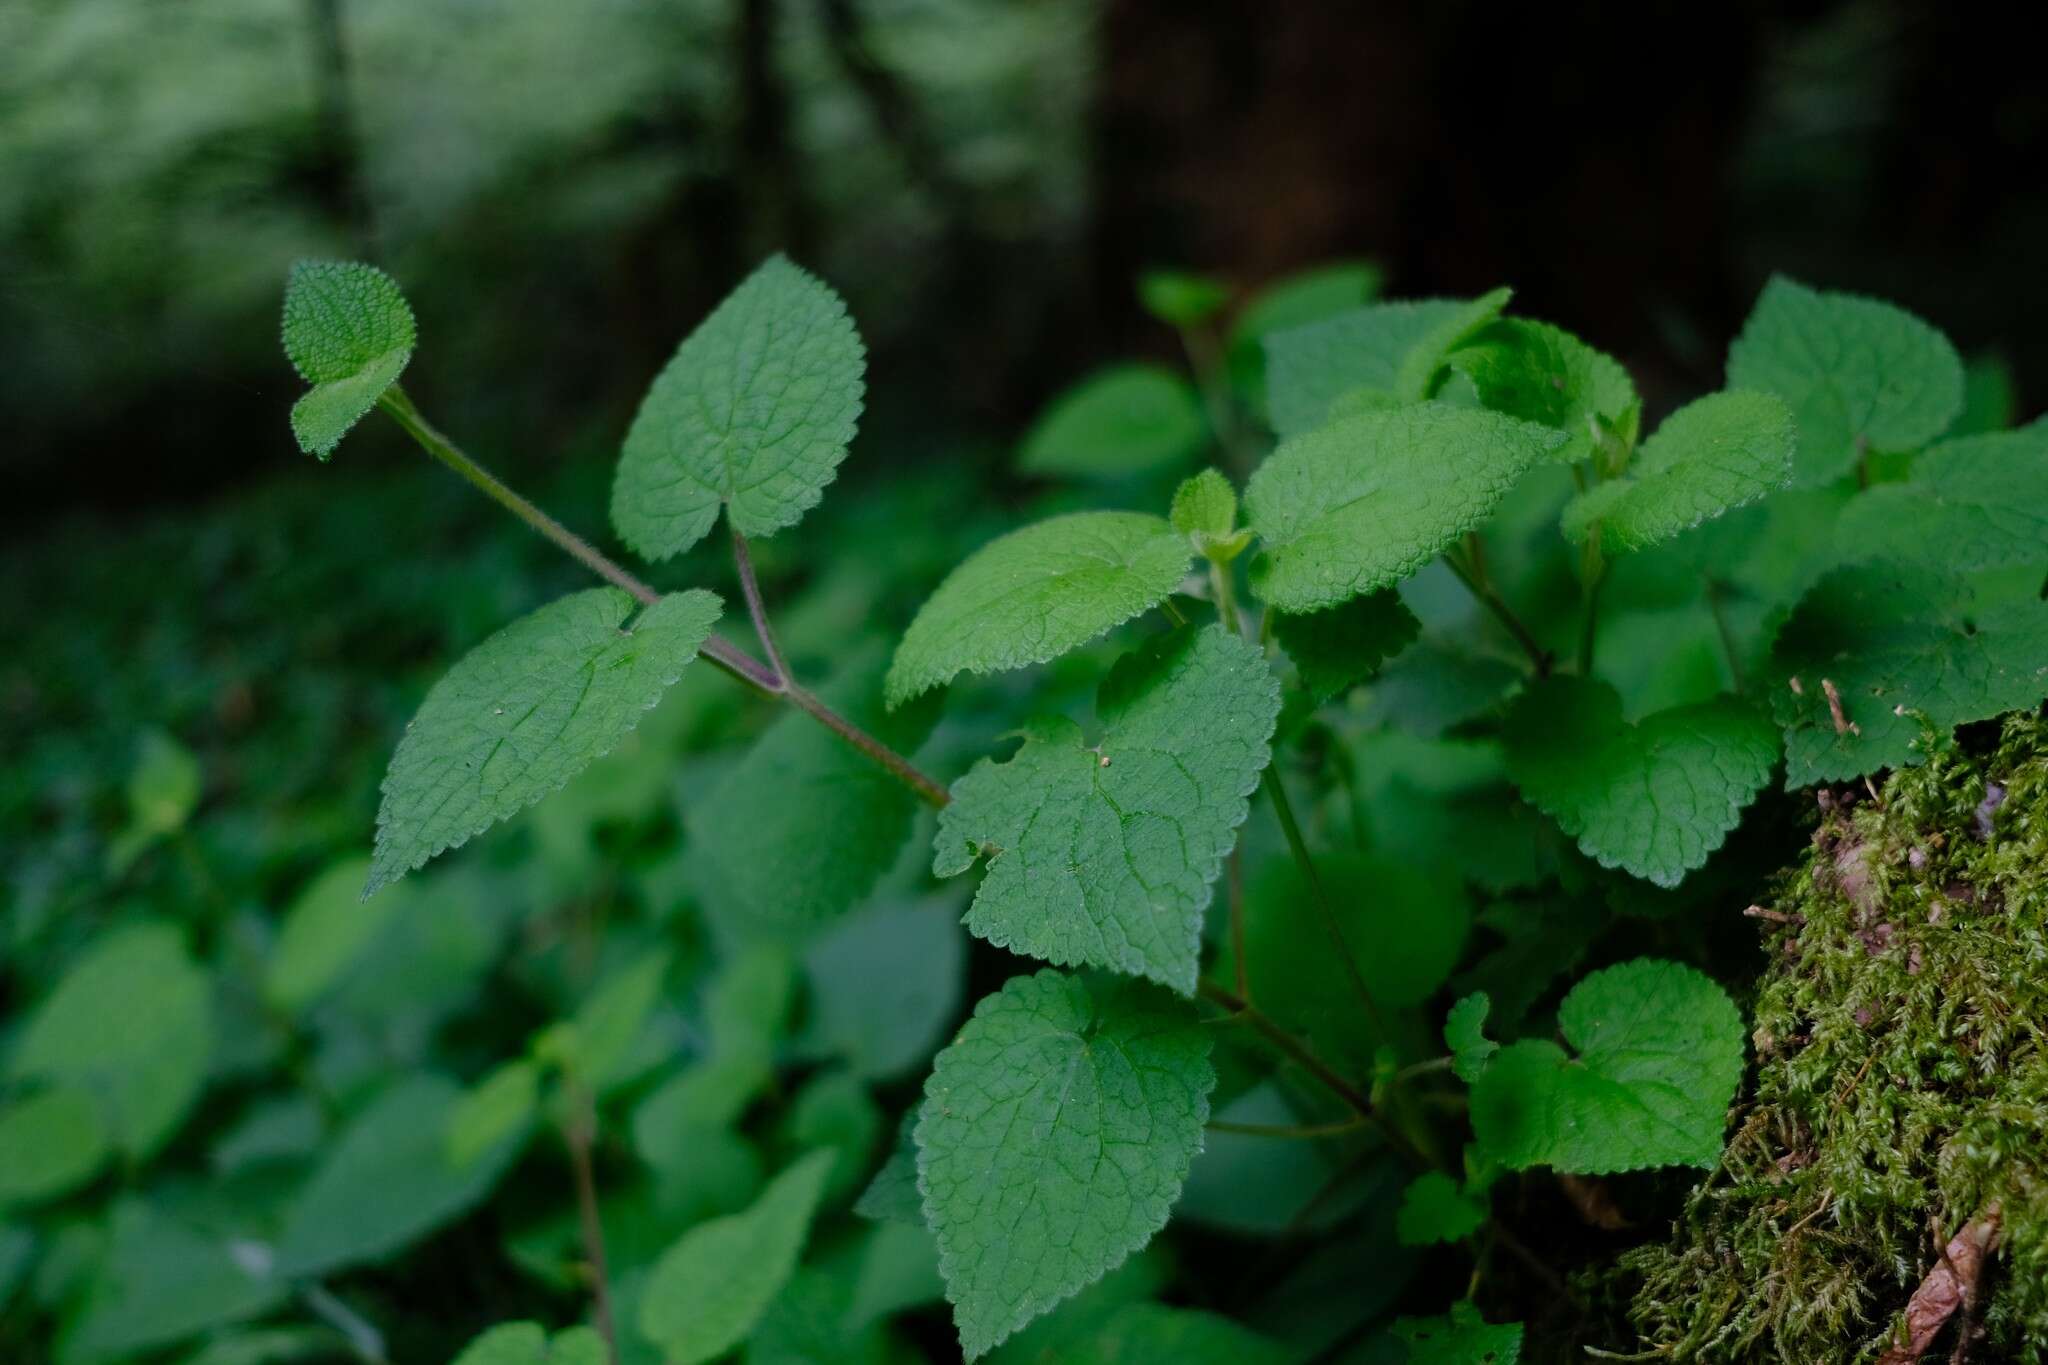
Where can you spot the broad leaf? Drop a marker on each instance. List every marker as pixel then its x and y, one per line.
pixel 1720 452
pixel 1056 1133
pixel 325 932
pixel 708 1290
pixel 1104 853
pixel 1392 349
pixel 1340 647
pixel 1659 1054
pixel 1362 503
pixel 1461 1337
pixel 1904 648
pixel 1435 1209
pixel 527 1343
pixel 160 1280
pixel 1036 593
pixel 349 332
pixel 1154 1334
pixel 885 984
pixel 524 712
pixel 1125 420
pixel 1291 302
pixel 1980 502
pixel 1464 1034
pixel 753 414
pixel 493 1110
pixel 53 1141
pixel 1859 374
pixel 1654 798
pixel 1544 374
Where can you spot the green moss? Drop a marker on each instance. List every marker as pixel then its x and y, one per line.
pixel 1901 1086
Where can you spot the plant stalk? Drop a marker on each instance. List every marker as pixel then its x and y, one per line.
pixel 1283 808
pixel 576 1135
pixel 750 588
pixel 1539 657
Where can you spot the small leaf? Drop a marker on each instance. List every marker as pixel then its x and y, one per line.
pixel 524 712
pixel 1056 1132
pixel 1653 798
pixel 1036 593
pixel 1859 374
pixel 1342 646
pixel 709 1289
pixel 326 931
pixel 1464 1034
pixel 349 332
pixel 1544 374
pixel 1659 1056
pixel 53 1142
pixel 161 1280
pixel 1362 503
pixel 1461 1338
pixel 1720 452
pixel 1180 298
pixel 610 1020
pixel 1205 511
pixel 1435 1209
pixel 1980 502
pixel 526 1343
pixel 1121 421
pixel 1385 348
pixel 500 1105
pixel 753 414
pixel 1105 854
pixel 1902 647
pixel 163 789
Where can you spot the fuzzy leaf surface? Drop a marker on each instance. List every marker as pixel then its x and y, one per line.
pixel 1379 348
pixel 524 712
pixel 1362 503
pixel 1124 420
pixel 1036 593
pixel 753 414
pixel 349 332
pixel 1720 452
pixel 1659 1055
pixel 1105 854
pixel 1859 374
pixel 1544 374
pixel 1056 1133
pixel 1653 798
pixel 1341 646
pixel 1979 502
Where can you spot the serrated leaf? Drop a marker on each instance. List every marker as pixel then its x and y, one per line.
pixel 1055 1134
pixel 1979 502
pixel 1653 798
pixel 1898 643
pixel 1858 374
pixel 1036 593
pixel 1121 421
pixel 1293 301
pixel 349 333
pixel 709 1289
pixel 1338 648
pixel 325 931
pixel 1659 1054
pixel 1720 452
pixel 1387 348
pixel 1434 1208
pixel 1205 509
pixel 1465 1035
pixel 1362 503
pixel 131 1025
pixel 524 712
pixel 1544 374
pixel 1105 854
pixel 892 1196
pixel 53 1141
pixel 527 1343
pixel 161 1280
pixel 1461 1337
pixel 752 414
pixel 501 1104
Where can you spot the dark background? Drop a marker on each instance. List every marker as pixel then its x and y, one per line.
pixel 564 190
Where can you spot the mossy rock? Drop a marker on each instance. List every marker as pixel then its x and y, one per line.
pixel 1901 1090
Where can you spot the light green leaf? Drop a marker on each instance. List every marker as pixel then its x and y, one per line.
pixel 1105 853
pixel 753 414
pixel 1393 349
pixel 608 1022
pixel 1154 1334
pixel 1435 1209
pixel 1120 421
pixel 131 1024
pixel 1544 374
pixel 708 1290
pixel 1720 452
pixel 1036 593
pixel 161 1280
pixel 524 712
pixel 1309 296
pixel 163 789
pixel 388 1180
pixel 526 1343
pixel 1980 502
pixel 1460 1338
pixel 1898 643
pixel 1859 374
pixel 325 932
pixel 1180 298
pixel 1659 1056
pixel 1362 503
pixel 1465 1035
pixel 1342 646
pixel 1055 1135
pixel 1205 511
pixel 51 1142
pixel 1654 798
pixel 349 332
pixel 494 1109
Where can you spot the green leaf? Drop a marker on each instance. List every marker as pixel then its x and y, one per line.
pixel 1056 1133
pixel 1121 421
pixel 1338 648
pixel 1904 647
pixel 1393 349
pixel 53 1141
pixel 163 789
pixel 753 414
pixel 892 1196
pixel 1435 1209
pixel 834 1113
pixel 1104 854
pixel 325 932
pixel 524 712
pixel 1544 374
pixel 1309 296
pixel 1180 298
pixel 708 1290
pixel 349 332
pixel 1205 511
pixel 1720 452
pixel 527 1343
pixel 1465 1036
pixel 1859 374
pixel 608 1022
pixel 1991 399
pixel 1154 1334
pixel 1036 593
pixel 884 985
pixel 811 1322
pixel 1654 798
pixel 1362 503
pixel 1980 502
pixel 493 1110
pixel 160 1280
pixel 388 1180
pixel 1460 1338
pixel 131 1024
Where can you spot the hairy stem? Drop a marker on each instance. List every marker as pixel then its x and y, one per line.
pixel 576 1135
pixel 1592 573
pixel 750 589
pixel 1539 657
pixel 1727 634
pixel 1225 594
pixel 1287 1130
pixel 1283 808
pixel 894 763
